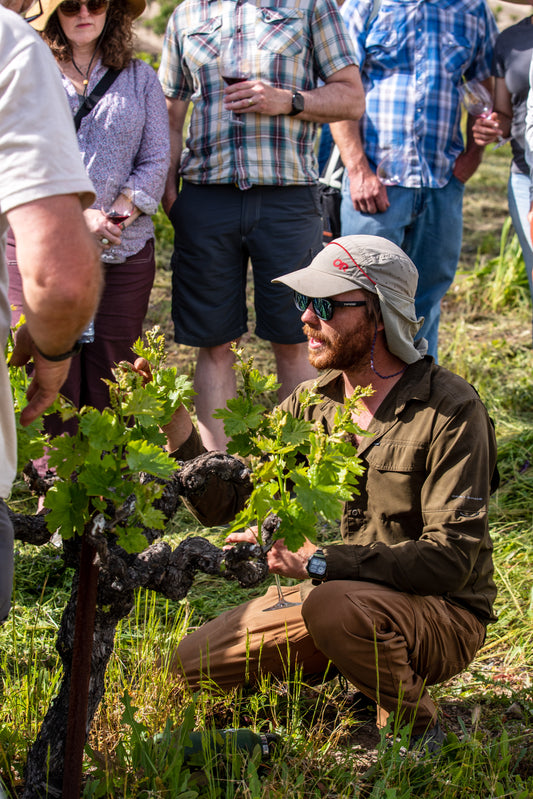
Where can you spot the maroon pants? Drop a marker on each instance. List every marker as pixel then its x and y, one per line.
pixel 118 323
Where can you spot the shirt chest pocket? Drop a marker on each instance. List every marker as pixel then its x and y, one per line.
pixel 395 477
pixel 280 30
pixel 201 44
pixel 385 46
pixel 457 43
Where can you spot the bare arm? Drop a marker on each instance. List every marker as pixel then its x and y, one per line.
pixel 342 97
pixel 368 194
pixel 498 125
pixel 469 160
pixel 177 111
pixel 61 278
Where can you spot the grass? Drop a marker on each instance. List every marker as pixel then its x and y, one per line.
pixel 325 749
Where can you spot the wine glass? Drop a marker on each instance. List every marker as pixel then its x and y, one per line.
pixel 282 602
pixel 476 99
pixel 394 166
pixel 235 66
pixel 117 206
pixel 478 102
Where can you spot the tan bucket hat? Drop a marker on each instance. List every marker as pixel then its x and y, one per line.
pixel 376 265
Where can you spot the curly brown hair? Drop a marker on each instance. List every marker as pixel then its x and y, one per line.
pixel 116 40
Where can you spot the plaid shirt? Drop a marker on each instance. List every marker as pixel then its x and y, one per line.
pixel 296 44
pixel 413 57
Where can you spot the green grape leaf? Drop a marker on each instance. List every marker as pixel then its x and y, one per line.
pixel 142 405
pixel 152 517
pixel 67 455
pixel 102 429
pixel 240 416
pixel 131 539
pixel 69 508
pixel 99 481
pixel 325 500
pixel 142 456
pixel 296 525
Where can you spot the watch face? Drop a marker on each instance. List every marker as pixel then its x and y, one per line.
pixel 317 566
pixel 297 103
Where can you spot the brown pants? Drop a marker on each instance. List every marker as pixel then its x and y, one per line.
pixel 388 644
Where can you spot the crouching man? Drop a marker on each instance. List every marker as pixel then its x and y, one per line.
pixel 404 601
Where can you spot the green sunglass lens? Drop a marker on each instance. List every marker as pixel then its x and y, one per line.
pixel 323 308
pixel 301 301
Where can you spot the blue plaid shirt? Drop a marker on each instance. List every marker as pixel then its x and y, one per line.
pixel 412 58
pixel 296 43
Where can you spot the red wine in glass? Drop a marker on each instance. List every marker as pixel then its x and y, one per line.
pixel 235 66
pixel 116 217
pixel 117 204
pixel 231 79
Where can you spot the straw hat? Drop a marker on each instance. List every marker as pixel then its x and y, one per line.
pixel 136 8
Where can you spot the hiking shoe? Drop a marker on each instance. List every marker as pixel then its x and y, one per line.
pixel 429 742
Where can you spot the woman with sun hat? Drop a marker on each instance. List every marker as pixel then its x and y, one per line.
pixel 123 138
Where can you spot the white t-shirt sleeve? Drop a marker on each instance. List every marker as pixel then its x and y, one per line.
pixel 38 146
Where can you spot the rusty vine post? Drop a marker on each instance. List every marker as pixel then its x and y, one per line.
pixel 81 668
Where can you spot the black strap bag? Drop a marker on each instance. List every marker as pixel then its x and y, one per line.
pixel 99 90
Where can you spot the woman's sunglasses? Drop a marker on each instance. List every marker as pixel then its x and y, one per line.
pixel 71 8
pixel 323 307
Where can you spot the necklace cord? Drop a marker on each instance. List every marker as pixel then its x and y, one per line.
pixel 372 364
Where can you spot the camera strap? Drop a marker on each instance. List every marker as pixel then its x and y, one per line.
pixel 99 90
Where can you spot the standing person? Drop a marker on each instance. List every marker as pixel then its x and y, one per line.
pixel 124 140
pixel 413 57
pixel 42 188
pixel 249 187
pixel 404 602
pixel 512 57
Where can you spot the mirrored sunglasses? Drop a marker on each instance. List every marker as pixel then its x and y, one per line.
pixel 71 8
pixel 323 307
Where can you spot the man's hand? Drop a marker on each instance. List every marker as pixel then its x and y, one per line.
pixel 486 131
pixel 467 162
pixel 257 97
pixel 48 376
pixel 280 559
pixel 369 195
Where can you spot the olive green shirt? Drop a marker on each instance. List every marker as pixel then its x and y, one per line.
pixel 419 523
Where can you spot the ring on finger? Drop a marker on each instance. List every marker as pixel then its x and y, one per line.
pixel 104 240
pixel 250 101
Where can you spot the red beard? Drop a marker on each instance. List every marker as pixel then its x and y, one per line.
pixel 343 351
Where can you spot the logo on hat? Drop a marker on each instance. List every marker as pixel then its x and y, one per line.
pixel 338 264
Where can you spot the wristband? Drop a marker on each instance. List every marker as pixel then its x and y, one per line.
pixel 63 356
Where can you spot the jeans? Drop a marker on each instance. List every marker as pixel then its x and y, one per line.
pixel 6 561
pixel 519 201
pixel 428 225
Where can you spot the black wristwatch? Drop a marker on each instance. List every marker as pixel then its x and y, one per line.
pixel 297 104
pixel 316 567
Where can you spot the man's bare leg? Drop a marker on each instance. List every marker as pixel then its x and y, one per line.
pixel 214 383
pixel 293 367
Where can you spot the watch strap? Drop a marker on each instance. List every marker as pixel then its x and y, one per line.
pixel 62 356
